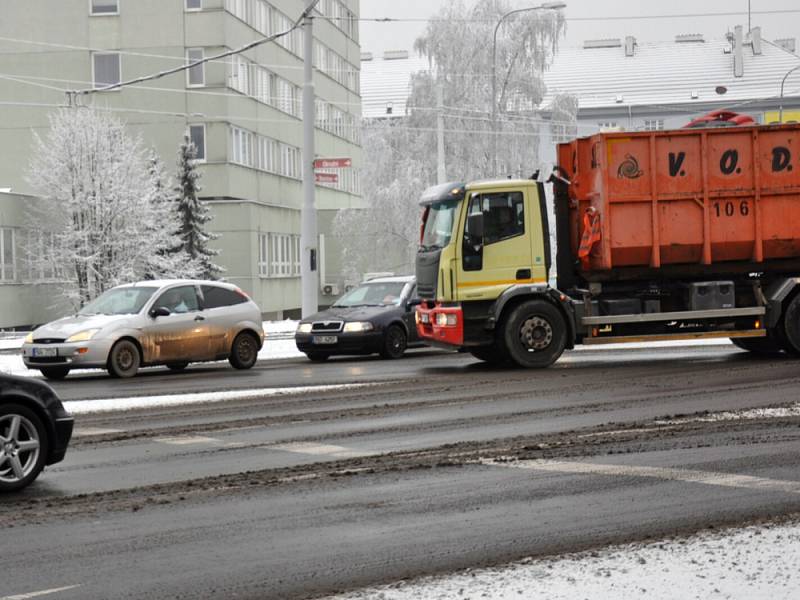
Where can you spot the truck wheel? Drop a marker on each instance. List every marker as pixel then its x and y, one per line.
pixel 490 354
pixel 535 334
pixel 791 327
pixel 766 346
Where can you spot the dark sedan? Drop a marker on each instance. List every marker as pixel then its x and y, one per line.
pixel 35 430
pixel 376 316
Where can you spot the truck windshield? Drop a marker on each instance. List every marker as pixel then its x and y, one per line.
pixel 438 228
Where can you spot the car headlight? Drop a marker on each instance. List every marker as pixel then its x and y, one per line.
pixel 82 336
pixel 304 328
pixel 358 326
pixel 29 338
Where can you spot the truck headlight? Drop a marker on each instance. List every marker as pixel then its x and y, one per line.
pixel 358 326
pixel 82 336
pixel 446 319
pixel 304 328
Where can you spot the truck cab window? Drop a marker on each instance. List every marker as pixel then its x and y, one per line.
pixel 503 215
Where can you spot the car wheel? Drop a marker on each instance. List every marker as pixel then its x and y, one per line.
pixel 55 372
pixel 394 342
pixel 535 334
pixel 23 447
pixel 318 356
pixel 177 366
pixel 244 351
pixel 124 359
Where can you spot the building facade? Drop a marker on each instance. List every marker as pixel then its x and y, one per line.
pixel 242 112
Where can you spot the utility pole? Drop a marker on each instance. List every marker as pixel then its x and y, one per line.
pixel 308 215
pixel 441 175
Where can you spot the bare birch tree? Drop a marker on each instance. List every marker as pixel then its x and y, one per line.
pixel 99 221
pixel 401 153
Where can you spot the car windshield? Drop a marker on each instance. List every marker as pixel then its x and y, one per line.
pixel 438 228
pixel 373 294
pixel 119 301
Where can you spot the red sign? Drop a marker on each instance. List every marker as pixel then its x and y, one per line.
pixel 332 163
pixel 326 177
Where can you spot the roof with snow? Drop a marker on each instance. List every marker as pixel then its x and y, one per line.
pixel 614 73
pixel 386 83
pixel 687 70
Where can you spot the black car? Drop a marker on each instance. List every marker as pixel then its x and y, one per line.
pixel 376 316
pixel 34 430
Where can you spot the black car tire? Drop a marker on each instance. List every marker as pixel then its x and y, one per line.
pixel 31 429
pixel 244 351
pixel 318 356
pixel 395 342
pixel 535 334
pixel 123 360
pixel 54 372
pixel 177 366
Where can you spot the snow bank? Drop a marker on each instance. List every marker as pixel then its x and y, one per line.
pixel 753 562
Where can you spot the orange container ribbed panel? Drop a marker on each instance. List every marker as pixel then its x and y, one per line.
pixel 688 196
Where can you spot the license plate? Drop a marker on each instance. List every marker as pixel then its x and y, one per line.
pixel 45 352
pixel 325 339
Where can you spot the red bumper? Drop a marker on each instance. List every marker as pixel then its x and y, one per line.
pixel 439 324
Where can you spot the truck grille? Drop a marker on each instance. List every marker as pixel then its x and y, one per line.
pixel 327 326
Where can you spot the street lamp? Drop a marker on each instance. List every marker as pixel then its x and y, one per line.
pixel 783 82
pixel 544 6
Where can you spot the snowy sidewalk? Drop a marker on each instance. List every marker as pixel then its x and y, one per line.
pixel 758 562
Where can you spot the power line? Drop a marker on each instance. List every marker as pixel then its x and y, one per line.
pixel 72 94
pixel 572 19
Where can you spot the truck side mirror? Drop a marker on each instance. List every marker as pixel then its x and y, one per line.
pixel 475 226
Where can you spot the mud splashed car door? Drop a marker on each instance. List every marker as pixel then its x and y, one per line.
pixel 183 334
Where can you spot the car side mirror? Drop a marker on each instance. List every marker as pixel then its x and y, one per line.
pixel 159 311
pixel 413 302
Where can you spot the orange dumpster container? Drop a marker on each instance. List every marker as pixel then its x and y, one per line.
pixel 685 197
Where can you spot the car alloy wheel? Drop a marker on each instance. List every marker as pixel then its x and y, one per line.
pixel 22 447
pixel 394 342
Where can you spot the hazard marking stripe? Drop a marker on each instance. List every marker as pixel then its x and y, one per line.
pixel 731 480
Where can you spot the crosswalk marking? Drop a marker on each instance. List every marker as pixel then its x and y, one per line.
pixel 731 480
pixel 187 440
pixel 320 450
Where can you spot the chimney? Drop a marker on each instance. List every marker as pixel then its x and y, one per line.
pixel 788 44
pixel 738 52
pixel 630 45
pixel 755 40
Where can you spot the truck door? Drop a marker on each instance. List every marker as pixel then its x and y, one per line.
pixel 502 255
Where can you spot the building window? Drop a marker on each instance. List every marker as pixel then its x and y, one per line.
pixel 263 255
pixel 8 259
pixel 195 76
pixel 106 69
pixel 653 124
pixel 194 4
pixel 104 7
pixel 197 133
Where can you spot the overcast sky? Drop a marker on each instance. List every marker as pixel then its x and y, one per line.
pixel 587 19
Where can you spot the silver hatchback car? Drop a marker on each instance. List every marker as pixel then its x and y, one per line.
pixel 168 323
